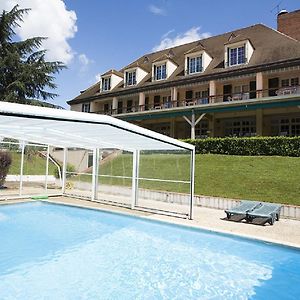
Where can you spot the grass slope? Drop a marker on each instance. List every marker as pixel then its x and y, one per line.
pixel 274 179
pixel 35 165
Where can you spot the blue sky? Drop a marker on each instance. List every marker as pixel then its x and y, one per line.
pixel 94 36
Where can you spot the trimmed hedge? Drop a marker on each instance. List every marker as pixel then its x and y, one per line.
pixel 253 146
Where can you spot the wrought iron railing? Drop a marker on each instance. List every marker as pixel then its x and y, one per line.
pixel 230 97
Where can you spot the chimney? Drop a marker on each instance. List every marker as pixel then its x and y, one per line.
pixel 289 23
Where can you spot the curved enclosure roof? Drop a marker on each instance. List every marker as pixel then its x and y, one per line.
pixel 62 128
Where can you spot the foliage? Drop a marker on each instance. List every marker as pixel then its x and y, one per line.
pixel 270 146
pixel 5 162
pixel 24 73
pixel 70 168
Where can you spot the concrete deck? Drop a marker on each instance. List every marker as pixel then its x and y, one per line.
pixel 286 231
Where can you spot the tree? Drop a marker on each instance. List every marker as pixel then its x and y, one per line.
pixel 25 75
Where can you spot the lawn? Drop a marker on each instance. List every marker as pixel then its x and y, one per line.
pixel 265 178
pixel 33 165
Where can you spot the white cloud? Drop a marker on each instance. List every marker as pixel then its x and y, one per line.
pixel 191 35
pixel 84 62
pixel 157 10
pixel 47 18
pixel 97 77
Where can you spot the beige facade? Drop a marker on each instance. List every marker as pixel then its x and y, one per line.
pixel 248 87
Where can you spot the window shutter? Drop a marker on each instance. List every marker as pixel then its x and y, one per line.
pixel 228 57
pixel 188 65
pixel 154 72
pixel 126 78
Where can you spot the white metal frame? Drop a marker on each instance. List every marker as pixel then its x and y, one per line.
pixel 35 125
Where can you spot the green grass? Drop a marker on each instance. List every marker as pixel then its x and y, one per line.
pixel 274 179
pixel 35 165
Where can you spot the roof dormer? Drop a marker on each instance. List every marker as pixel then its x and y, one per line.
pixel 196 60
pixel 238 50
pixel 163 67
pixel 110 80
pixel 134 76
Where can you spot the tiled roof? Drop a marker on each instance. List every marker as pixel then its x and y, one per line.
pixel 270 46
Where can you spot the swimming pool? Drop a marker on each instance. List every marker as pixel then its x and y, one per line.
pixel 50 251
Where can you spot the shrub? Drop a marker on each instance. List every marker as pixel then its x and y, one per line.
pixel 253 146
pixel 5 162
pixel 70 168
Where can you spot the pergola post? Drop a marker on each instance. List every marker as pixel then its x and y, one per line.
pixel 47 168
pixel 22 167
pixel 95 174
pixel 193 122
pixel 192 184
pixel 64 170
pixel 135 170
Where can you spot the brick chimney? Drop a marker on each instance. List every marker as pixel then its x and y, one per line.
pixel 289 23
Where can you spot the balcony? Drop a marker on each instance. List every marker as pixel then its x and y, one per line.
pixel 232 97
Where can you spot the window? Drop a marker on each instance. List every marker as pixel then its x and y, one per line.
pixel 90 160
pixel 201 129
pixel 106 84
pixel 163 128
pixel 240 127
pixel 202 97
pixel 237 56
pixel 106 108
pixel 160 72
pixel 129 106
pixel 86 107
pixel 285 126
pixel 194 64
pixel 294 81
pixel 130 78
pixel 285 82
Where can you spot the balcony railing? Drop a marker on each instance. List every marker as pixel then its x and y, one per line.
pixel 230 97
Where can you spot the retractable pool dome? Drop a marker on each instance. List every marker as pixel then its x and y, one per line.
pixel 70 129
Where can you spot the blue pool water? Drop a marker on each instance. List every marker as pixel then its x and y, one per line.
pixel 52 251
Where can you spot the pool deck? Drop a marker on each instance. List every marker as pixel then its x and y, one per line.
pixel 286 231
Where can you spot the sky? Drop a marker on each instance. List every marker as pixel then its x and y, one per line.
pixel 94 36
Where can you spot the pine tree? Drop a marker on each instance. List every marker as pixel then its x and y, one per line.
pixel 25 75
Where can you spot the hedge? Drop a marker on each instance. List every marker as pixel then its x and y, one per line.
pixel 280 146
pixel 5 162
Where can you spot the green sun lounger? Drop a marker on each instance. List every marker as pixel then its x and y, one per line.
pixel 268 212
pixel 242 209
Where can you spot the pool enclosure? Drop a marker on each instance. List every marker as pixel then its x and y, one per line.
pixel 95 157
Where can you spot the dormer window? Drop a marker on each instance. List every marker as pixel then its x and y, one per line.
pixel 106 84
pixel 237 55
pixel 194 64
pixel 160 71
pixel 238 51
pixel 130 78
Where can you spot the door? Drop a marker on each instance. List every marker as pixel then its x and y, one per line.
pixel 273 86
pixel 157 102
pixel 227 92
pixel 252 93
pixel 129 106
pixel 189 95
pixel 120 107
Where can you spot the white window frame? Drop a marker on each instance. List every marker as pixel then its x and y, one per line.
pixel 194 57
pixel 157 67
pixel 133 74
pixel 86 107
pixel 229 60
pixel 106 84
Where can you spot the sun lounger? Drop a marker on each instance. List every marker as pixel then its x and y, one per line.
pixel 268 212
pixel 242 209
